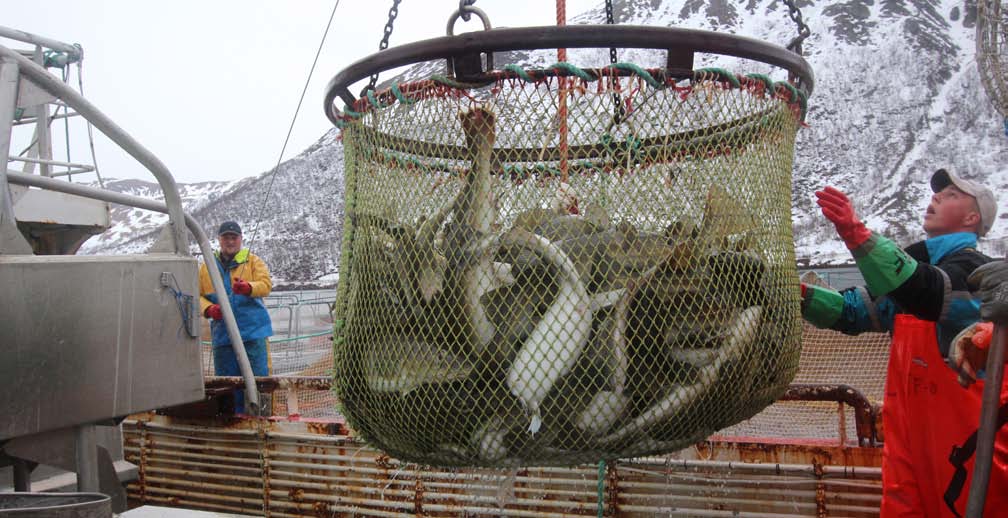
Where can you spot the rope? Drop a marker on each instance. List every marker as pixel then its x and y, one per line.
pixel 66 123
pixel 561 15
pixel 290 130
pixel 90 130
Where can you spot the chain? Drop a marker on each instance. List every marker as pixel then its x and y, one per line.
pixel 795 45
pixel 617 104
pixel 466 15
pixel 610 21
pixel 392 13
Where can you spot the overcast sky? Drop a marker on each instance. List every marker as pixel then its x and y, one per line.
pixel 210 86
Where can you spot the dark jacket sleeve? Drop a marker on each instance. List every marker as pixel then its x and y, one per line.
pixel 938 293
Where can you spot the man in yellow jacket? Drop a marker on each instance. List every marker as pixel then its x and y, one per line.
pixel 246 280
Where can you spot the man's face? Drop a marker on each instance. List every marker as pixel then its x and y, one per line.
pixel 951 210
pixel 230 243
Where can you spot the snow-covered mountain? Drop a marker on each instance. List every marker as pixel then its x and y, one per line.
pixel 291 216
pixel 897 95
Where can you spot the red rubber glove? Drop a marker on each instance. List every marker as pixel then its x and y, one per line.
pixel 804 288
pixel 838 209
pixel 982 338
pixel 968 352
pixel 241 287
pixel 213 311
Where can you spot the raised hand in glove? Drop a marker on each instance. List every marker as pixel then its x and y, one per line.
pixel 990 283
pixel 968 353
pixel 213 311
pixel 838 209
pixel 240 287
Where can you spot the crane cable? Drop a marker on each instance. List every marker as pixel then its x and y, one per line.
pixel 269 188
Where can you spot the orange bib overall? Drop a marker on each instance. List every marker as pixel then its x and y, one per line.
pixel 928 418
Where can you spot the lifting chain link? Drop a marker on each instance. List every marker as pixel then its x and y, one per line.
pixel 617 105
pixel 466 15
pixel 794 12
pixel 393 12
pixel 610 21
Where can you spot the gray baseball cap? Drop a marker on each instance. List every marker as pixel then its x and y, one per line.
pixel 984 197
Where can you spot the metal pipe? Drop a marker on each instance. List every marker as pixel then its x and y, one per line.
pixel 182 502
pixel 779 469
pixel 728 513
pixel 987 431
pixel 863 417
pixel 251 394
pixel 32 120
pixel 86 448
pixel 181 462
pixel 230 459
pixel 75 51
pixel 49 83
pixel 43 135
pixel 50 162
pixel 458 510
pixel 756 485
pixel 272 383
pixel 312 501
pixel 327 483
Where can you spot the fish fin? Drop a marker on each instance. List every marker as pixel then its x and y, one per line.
pixel 536 423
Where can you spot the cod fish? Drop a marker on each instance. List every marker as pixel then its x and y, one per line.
pixel 558 339
pixel 468 242
pixel 741 333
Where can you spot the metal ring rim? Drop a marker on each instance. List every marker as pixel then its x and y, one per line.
pixel 569 36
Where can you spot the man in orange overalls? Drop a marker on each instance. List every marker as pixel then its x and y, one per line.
pixel 921 295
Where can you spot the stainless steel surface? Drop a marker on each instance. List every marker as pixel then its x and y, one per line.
pixel 49 83
pixel 86 448
pixel 55 505
pixel 251 394
pixel 38 206
pixel 88 338
pixel 11 240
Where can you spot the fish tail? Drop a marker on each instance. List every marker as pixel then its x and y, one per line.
pixel 536 423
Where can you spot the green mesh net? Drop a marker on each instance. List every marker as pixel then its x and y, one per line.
pixel 549 270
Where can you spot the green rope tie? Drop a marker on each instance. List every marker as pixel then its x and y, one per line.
pixel 401 96
pixel 352 114
pixel 796 95
pixel 640 72
pixel 374 100
pixel 574 71
pixel 721 74
pixel 520 72
pixel 763 78
pixel 458 85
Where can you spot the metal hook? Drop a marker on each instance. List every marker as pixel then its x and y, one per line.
pixel 466 10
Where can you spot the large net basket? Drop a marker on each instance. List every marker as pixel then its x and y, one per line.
pixel 565 265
